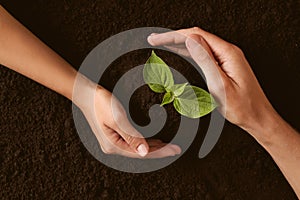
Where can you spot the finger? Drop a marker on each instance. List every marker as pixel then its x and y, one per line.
pixel 115 144
pixel 173 37
pixel 124 128
pixel 164 151
pixel 111 142
pixel 161 151
pixel 154 142
pixel 177 50
pixel 158 151
pixel 132 137
pixel 200 52
pixel 218 46
pixel 138 144
pixel 205 46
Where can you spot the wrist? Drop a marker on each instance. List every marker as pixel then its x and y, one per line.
pixel 264 128
pixel 83 92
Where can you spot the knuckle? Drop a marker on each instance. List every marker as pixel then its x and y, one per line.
pixel 233 49
pixel 237 49
pixel 196 29
pixel 229 48
pixel 130 140
pixel 133 142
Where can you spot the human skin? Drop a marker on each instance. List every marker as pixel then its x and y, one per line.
pixel 242 101
pixel 24 53
pixel 244 104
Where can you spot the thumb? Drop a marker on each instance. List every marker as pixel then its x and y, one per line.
pixel 202 55
pixel 133 138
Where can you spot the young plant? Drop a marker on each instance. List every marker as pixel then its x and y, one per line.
pixel 188 100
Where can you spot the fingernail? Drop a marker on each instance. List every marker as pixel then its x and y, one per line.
pixel 142 150
pixel 149 39
pixel 177 148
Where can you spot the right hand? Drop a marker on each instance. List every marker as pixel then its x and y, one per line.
pixel 228 74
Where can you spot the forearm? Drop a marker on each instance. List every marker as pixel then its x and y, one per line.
pixel 22 52
pixel 283 144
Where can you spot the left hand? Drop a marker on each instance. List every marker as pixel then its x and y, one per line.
pixel 108 120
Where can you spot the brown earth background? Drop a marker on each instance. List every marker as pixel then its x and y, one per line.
pixel 41 155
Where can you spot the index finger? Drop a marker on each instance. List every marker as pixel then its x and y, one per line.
pixel 168 38
pixel 160 151
pixel 217 45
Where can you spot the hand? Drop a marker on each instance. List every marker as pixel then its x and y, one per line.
pixel 228 74
pixel 242 101
pixel 107 119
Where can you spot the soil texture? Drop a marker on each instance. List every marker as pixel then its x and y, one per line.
pixel 41 155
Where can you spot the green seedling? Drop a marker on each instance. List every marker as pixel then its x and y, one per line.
pixel 188 100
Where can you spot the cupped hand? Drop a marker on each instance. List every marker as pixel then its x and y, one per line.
pixel 228 74
pixel 108 120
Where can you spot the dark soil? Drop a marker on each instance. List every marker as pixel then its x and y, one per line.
pixel 42 156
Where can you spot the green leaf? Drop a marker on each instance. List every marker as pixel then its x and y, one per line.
pixel 188 100
pixel 156 88
pixel 157 74
pixel 177 89
pixel 194 102
pixel 168 98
